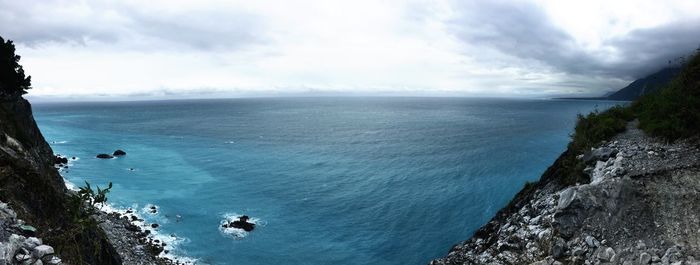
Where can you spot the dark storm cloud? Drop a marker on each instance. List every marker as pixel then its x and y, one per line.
pixel 524 31
pixel 127 26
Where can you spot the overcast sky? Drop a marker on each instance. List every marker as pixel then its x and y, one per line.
pixel 535 48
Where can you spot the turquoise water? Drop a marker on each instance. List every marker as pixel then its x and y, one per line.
pixel 329 180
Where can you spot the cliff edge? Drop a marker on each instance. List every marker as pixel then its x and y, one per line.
pixel 641 207
pixel 37 196
pixel 626 191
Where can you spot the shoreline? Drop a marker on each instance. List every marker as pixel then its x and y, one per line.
pixel 135 240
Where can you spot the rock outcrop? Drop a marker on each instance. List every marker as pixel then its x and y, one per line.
pixel 33 189
pixel 642 206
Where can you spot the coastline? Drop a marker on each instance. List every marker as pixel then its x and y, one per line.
pixel 136 241
pixel 627 214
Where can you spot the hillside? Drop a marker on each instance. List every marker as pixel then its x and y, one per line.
pixel 626 191
pixel 648 84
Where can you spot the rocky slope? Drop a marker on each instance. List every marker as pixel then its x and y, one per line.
pixel 641 207
pixel 36 194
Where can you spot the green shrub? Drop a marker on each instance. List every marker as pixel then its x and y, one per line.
pixel 590 131
pixel 83 204
pixel 674 111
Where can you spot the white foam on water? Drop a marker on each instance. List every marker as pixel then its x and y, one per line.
pixel 170 240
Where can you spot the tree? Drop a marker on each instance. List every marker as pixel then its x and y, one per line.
pixel 13 83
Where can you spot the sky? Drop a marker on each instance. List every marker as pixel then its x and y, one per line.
pixel 183 49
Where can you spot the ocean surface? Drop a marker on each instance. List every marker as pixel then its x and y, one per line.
pixel 328 180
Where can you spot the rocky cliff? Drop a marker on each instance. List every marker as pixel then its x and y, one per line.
pixel 35 200
pixel 641 207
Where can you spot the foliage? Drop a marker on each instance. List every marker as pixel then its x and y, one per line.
pixel 673 112
pixel 83 204
pixel 590 131
pixel 13 82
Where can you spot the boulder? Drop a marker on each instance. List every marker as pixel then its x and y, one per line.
pixel 566 197
pixel 119 152
pixel 104 156
pixel 558 248
pixel 606 255
pixel 43 252
pixel 599 154
pixel 31 242
pixel 592 242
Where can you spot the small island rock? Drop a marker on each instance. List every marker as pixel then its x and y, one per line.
pixel 104 156
pixel 241 223
pixel 119 152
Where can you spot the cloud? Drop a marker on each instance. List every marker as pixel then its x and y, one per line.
pixel 526 32
pixel 488 48
pixel 129 25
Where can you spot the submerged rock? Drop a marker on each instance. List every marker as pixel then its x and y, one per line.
pixel 104 156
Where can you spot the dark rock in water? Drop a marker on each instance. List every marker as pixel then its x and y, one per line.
pixel 60 160
pixel 154 249
pixel 154 225
pixel 134 218
pixel 132 228
pixel 242 223
pixel 119 152
pixel 104 156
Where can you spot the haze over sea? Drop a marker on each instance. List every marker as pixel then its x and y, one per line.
pixel 329 180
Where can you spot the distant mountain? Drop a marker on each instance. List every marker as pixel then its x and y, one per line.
pixel 645 85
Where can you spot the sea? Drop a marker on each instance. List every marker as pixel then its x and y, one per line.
pixel 348 180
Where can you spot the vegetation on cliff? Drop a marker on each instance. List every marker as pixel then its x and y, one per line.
pixel 30 183
pixel 13 82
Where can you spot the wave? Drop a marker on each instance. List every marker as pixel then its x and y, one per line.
pixel 172 241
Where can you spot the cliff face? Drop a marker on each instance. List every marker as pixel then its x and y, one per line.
pixel 32 187
pixel 641 207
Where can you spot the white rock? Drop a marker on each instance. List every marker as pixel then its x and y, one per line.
pixel 592 242
pixel 566 197
pixel 31 242
pixel 607 254
pixel 42 251
pixel 54 261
